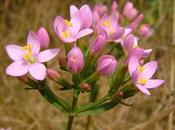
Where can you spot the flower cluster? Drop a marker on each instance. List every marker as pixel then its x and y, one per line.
pixel 87 36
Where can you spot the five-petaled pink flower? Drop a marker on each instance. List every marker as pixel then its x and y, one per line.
pixel 70 31
pixel 141 75
pixel 29 59
pixel 110 26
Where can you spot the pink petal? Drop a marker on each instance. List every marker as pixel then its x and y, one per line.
pixel 133 64
pixel 86 16
pixel 76 24
pixel 128 43
pixel 47 55
pixel 15 52
pixel 143 89
pixel 153 83
pixel 149 69
pixel 38 71
pixel 84 32
pixel 127 31
pixel 17 68
pixel 73 10
pixel 34 41
pixel 43 37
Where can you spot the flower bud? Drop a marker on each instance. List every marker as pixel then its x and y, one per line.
pixel 129 11
pixel 135 23
pixel 75 60
pixel 85 87
pixel 43 38
pixel 145 30
pixel 53 74
pixel 98 43
pixel 106 65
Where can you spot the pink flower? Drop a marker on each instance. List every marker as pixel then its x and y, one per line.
pixel 85 15
pixel 141 75
pixel 100 9
pixel 145 30
pixel 43 38
pixel 98 43
pixel 70 31
pixel 106 65
pixel 109 25
pixel 75 60
pixel 129 11
pixel 130 47
pixel 29 59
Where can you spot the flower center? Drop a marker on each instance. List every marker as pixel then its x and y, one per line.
pixel 74 59
pixel 142 81
pixel 68 23
pixel 66 34
pixel 107 23
pixel 28 55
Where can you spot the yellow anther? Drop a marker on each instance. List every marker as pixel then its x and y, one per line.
pixel 66 34
pixel 29 58
pixel 141 69
pixel 74 59
pixel 143 81
pixel 106 23
pixel 28 48
pixel 68 23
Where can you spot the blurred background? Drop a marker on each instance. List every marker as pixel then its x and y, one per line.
pixel 27 110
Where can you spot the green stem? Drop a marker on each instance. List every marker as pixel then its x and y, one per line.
pixel 74 103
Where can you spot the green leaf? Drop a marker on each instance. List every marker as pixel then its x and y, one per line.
pixel 59 103
pixel 99 109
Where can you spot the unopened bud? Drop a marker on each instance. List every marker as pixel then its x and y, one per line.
pixel 85 87
pixel 23 78
pixel 119 95
pixel 53 74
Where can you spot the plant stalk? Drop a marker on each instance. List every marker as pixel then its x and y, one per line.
pixel 71 117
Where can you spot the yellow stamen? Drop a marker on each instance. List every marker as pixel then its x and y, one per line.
pixel 68 23
pixel 66 34
pixel 141 69
pixel 107 23
pixel 143 81
pixel 28 48
pixel 29 58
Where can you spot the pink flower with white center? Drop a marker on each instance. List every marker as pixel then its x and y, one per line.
pixel 85 15
pixel 141 75
pixel 75 60
pixel 70 31
pixel 145 30
pixel 43 37
pixel 129 11
pixel 109 25
pixel 29 59
pixel 106 65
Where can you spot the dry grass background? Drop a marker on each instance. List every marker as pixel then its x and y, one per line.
pixel 27 110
